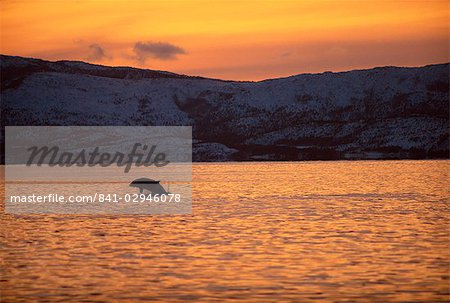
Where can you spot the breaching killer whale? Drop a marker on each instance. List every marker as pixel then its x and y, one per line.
pixel 150 185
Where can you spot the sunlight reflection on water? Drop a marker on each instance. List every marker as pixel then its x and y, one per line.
pixel 259 232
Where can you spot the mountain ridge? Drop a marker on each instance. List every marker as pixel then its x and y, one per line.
pixel 380 113
pixel 3 56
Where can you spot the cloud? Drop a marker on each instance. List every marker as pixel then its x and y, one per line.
pixel 157 50
pixel 96 53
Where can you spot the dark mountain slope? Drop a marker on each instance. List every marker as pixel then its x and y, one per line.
pixel 387 112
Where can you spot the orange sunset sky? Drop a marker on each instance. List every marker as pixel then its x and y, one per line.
pixel 240 40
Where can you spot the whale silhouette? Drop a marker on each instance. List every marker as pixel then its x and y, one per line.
pixel 150 185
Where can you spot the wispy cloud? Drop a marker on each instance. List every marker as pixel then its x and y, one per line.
pixel 157 50
pixel 96 53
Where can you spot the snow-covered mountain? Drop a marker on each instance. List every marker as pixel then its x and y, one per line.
pixel 386 112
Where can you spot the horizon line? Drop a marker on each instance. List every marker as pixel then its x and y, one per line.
pixel 226 80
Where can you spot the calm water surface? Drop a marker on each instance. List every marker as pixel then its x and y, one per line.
pixel 356 231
